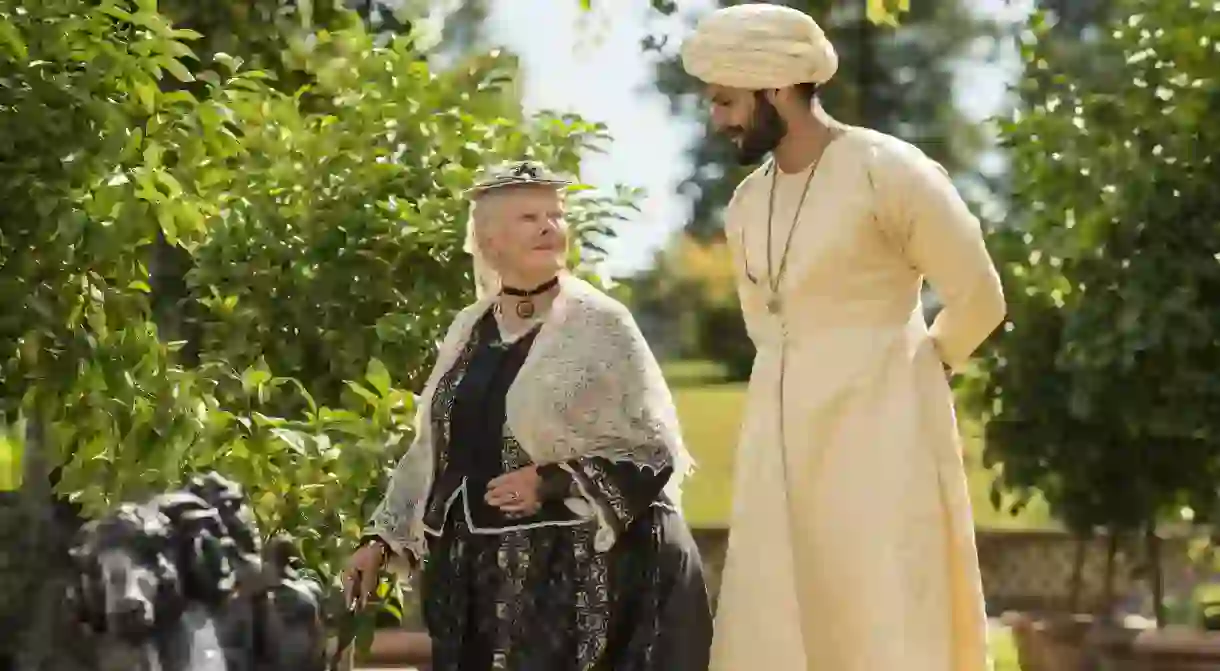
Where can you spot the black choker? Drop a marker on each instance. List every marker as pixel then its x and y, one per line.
pixel 525 306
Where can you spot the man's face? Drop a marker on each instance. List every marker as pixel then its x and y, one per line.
pixel 748 120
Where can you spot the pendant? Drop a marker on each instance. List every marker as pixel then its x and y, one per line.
pixel 525 309
pixel 774 305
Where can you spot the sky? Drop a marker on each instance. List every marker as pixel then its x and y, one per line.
pixel 592 64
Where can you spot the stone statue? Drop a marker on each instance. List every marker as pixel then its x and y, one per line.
pixel 180 583
pixel 293 618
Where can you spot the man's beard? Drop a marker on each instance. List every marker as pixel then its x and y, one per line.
pixel 763 135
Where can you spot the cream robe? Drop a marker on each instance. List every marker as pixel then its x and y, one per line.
pixel 852 544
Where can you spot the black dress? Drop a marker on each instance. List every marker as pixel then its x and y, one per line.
pixel 532 593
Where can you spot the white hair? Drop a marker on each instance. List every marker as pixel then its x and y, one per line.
pixel 486 279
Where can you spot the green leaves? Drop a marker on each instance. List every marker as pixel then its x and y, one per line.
pixel 886 12
pixel 12 453
pixel 12 40
pixel 254 377
pixel 378 376
pixel 177 69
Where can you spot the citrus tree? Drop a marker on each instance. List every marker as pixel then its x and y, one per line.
pixel 1102 390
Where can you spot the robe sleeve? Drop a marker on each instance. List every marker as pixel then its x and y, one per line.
pixel 619 490
pixel 943 240
pixel 397 520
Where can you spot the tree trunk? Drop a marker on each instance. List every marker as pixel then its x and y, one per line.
pixel 174 314
pixel 12 582
pixel 1107 601
pixel 1077 584
pixel 33 646
pixel 39 528
pixel 1156 573
pixel 22 523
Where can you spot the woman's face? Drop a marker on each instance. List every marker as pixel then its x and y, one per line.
pixel 522 233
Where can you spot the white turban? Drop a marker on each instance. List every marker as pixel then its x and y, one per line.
pixel 759 46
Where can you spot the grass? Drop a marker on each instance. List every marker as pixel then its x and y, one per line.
pixel 1003 649
pixel 711 410
pixel 711 420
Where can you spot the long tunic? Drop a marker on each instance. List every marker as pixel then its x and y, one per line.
pixel 852 544
pixel 533 592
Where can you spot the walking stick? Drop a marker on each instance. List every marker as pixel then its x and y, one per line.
pixel 347 626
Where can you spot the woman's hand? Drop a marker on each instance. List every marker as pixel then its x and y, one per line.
pixel 516 492
pixel 363 570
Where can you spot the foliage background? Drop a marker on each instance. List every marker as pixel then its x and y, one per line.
pixel 1100 394
pixel 210 265
pixel 1108 265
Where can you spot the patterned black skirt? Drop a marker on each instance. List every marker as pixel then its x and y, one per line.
pixel 542 599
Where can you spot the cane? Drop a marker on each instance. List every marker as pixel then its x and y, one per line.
pixel 348 626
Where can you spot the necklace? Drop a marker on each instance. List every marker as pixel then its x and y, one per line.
pixel 775 278
pixel 525 305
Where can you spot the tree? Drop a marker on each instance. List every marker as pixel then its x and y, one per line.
pixel 271 36
pixel 325 260
pixel 691 284
pixel 1100 392
pixel 274 35
pixel 464 25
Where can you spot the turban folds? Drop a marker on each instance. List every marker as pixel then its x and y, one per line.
pixel 759 46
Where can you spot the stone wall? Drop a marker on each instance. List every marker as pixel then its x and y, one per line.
pixel 1022 570
pixel 1032 570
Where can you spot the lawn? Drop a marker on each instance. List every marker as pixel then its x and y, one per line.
pixel 711 409
pixel 1003 649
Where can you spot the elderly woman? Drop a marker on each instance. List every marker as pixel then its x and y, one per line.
pixel 541 492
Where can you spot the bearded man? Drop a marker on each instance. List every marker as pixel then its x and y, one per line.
pixel 852 545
